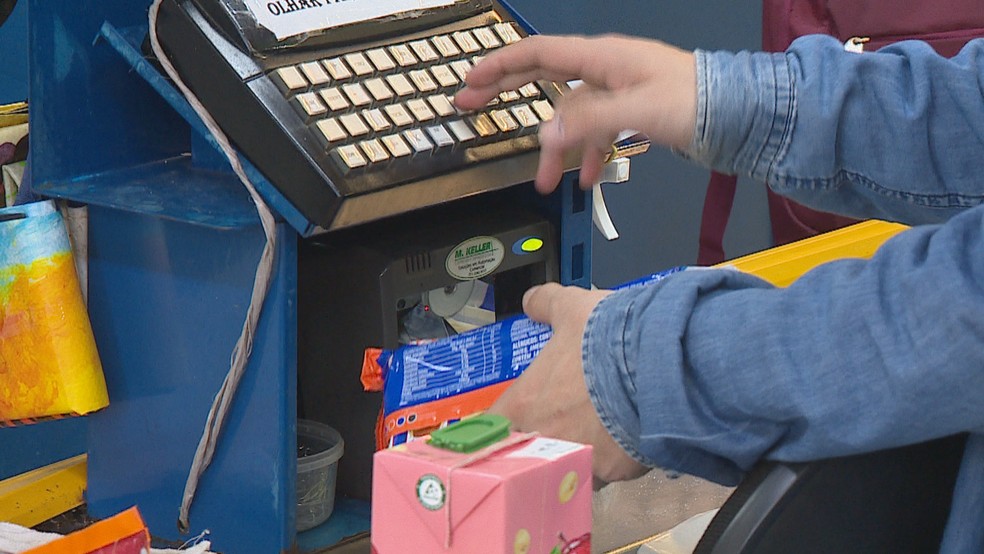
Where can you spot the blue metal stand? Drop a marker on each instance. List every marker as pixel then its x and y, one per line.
pixel 171 300
pixel 173 247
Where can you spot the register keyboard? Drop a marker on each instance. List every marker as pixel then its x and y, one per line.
pixel 390 104
pixel 351 133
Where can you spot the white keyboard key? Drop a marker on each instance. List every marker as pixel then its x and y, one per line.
pixel 356 94
pixel 423 80
pixel 400 84
pixel 420 110
pixel 445 46
pixel 504 120
pixel 403 55
pixel 525 116
pixel 543 109
pixel 487 38
pixel 397 146
pixel 376 120
pixel 440 136
pixel 424 50
pixel 400 116
pixel 441 104
pixel 483 125
pixel 378 89
pixel 507 33
pixel 380 59
pixel 529 90
pixel 466 41
pixel 461 68
pixel 358 62
pixel 334 99
pixel 374 150
pixel 331 130
pixel 509 96
pixel 350 157
pixel 461 130
pixel 291 79
pixel 354 124
pixel 337 69
pixel 315 73
pixel 444 76
pixel 310 104
pixel 418 141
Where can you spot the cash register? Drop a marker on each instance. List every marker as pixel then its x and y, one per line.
pixel 347 108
